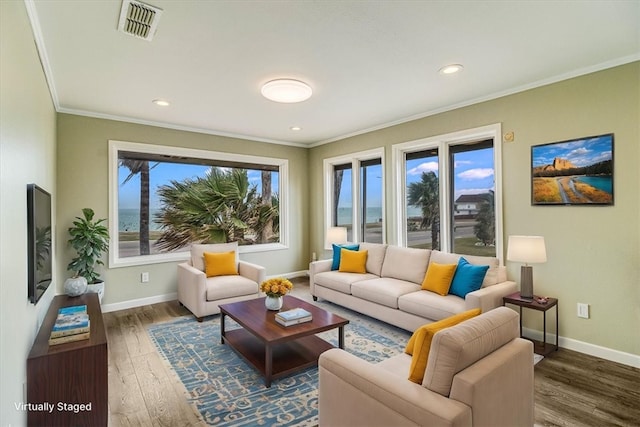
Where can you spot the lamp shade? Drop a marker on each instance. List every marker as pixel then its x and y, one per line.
pixel 527 249
pixel 337 235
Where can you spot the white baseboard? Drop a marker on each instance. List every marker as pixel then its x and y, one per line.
pixel 568 343
pixel 139 302
pixel 106 308
pixel 587 348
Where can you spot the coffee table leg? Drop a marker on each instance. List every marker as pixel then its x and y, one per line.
pixel 341 337
pixel 222 316
pixel 268 365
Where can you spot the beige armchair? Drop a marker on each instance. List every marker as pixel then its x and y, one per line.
pixel 479 373
pixel 203 295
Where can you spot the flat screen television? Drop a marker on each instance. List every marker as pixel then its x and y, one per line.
pixel 39 244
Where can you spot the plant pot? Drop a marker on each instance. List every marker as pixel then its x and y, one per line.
pixel 97 288
pixel 273 303
pixel 75 286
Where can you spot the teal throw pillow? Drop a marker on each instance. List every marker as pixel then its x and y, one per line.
pixel 336 254
pixel 468 278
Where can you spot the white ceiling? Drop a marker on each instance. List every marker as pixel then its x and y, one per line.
pixel 370 63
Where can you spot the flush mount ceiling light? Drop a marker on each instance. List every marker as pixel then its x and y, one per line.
pixel 286 91
pixel 295 128
pixel 451 69
pixel 161 102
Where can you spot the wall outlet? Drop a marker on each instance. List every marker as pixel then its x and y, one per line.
pixel 583 310
pixel 144 277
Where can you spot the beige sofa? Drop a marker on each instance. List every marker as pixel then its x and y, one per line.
pixel 391 291
pixel 479 373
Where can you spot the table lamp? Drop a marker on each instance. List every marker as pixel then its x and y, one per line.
pixel 336 235
pixel 530 250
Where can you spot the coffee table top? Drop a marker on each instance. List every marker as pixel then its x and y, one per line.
pixel 255 318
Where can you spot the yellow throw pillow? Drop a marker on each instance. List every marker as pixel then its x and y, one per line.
pixel 420 342
pixel 353 261
pixel 438 278
pixel 220 264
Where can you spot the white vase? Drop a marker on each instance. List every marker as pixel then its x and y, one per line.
pixel 75 286
pixel 273 303
pixel 97 288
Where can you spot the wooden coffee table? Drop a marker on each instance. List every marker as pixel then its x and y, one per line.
pixel 275 350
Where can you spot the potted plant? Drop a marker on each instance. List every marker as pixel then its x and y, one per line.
pixel 90 239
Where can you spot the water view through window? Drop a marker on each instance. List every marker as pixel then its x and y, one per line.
pixel 165 203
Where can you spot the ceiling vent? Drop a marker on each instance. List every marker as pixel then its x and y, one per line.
pixel 139 19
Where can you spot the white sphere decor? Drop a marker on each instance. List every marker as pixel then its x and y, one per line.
pixel 75 286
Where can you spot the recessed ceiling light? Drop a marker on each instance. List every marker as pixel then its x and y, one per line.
pixel 295 128
pixel 451 69
pixel 161 102
pixel 286 91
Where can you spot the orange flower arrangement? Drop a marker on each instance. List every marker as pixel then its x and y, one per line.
pixel 276 287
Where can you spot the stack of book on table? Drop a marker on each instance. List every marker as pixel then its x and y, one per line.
pixel 72 324
pixel 293 316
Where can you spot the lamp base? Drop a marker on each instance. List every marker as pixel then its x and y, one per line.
pixel 526 282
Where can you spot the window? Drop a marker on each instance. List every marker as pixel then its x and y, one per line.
pixel 448 191
pixel 162 199
pixel 356 200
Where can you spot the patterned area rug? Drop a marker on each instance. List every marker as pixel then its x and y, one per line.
pixel 229 392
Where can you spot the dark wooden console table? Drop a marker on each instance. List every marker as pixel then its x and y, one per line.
pixel 72 376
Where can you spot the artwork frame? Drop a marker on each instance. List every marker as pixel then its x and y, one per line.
pixel 573 172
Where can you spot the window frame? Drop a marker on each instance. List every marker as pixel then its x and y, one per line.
pixel 442 143
pixel 115 147
pixel 355 159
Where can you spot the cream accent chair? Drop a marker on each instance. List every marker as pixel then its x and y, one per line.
pixel 479 373
pixel 203 295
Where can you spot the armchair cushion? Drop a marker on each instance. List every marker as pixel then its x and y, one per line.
pixel 420 342
pixel 220 264
pixel 198 250
pixel 459 346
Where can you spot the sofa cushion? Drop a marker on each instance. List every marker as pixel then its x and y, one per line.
pixel 340 282
pixel 455 348
pixel 220 264
pixel 384 291
pixel 492 276
pixel 353 261
pixel 438 278
pixel 468 278
pixel 198 250
pixel 337 252
pixel 375 257
pixel 221 287
pixel 430 305
pixel 406 263
pixel 420 342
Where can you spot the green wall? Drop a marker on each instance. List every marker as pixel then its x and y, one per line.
pixel 27 155
pixel 593 252
pixel 82 160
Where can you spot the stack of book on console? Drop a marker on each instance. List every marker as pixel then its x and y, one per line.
pixel 293 317
pixel 72 324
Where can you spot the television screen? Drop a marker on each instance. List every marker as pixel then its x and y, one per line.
pixel 574 172
pixel 39 245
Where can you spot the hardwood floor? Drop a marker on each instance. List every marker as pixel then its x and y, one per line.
pixel 571 389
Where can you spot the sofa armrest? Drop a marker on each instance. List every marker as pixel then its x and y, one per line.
pixel 316 267
pixel 192 288
pixel 489 297
pixel 354 392
pixel 255 272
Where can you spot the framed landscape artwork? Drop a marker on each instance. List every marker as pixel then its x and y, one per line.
pixel 574 172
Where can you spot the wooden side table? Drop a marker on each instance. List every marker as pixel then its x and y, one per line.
pixel 539 347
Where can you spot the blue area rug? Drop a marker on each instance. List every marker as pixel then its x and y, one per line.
pixel 228 392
